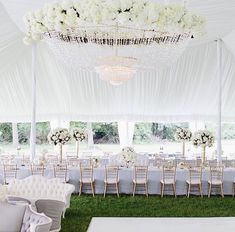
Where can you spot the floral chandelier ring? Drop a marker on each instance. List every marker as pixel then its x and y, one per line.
pixel 116 25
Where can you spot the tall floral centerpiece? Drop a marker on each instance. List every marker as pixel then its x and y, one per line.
pixel 183 135
pixel 127 157
pixel 79 137
pixel 203 139
pixel 59 136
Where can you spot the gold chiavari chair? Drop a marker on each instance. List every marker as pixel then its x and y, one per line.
pixel 111 178
pixel 9 172
pixel 37 169
pixel 140 178
pixel 168 179
pixel 87 178
pixel 216 179
pixel 195 180
pixel 61 172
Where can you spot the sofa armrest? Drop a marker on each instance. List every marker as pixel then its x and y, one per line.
pixel 36 222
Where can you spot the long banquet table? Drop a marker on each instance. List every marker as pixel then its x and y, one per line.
pixel 126 176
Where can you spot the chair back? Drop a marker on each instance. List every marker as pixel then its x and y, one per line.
pixel 37 169
pixel 111 173
pixel 212 162
pixel 141 173
pixel 168 173
pixel 74 162
pixel 61 172
pixel 52 209
pixel 216 173
pixel 86 172
pixel 9 172
pixel 195 174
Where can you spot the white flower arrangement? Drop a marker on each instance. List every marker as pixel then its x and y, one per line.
pixel 203 138
pixel 59 136
pixel 142 14
pixel 127 156
pixel 79 135
pixel 183 134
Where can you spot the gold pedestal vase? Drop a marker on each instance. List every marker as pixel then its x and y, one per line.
pixel 77 149
pixel 61 153
pixel 183 149
pixel 203 155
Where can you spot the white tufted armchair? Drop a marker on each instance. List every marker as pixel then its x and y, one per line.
pixel 39 187
pixel 22 218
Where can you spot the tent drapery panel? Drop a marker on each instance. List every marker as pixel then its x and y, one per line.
pixel 174 94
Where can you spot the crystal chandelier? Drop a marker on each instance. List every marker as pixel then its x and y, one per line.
pixel 116 69
pixel 114 40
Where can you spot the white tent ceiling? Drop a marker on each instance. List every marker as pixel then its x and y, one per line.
pixel 185 91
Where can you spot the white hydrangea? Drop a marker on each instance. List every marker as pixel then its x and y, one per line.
pixel 59 136
pixel 203 138
pixel 127 157
pixel 183 134
pixel 79 135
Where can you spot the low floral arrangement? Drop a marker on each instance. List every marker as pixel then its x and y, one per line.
pixel 140 14
pixel 203 138
pixel 181 165
pixel 183 134
pixel 127 157
pixel 79 135
pixel 95 162
pixel 59 136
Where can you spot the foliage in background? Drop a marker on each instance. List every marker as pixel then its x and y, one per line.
pixel 228 130
pixel 6 132
pixel 78 125
pixel 154 132
pixel 105 133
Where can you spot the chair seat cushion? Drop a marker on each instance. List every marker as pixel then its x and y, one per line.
pixel 215 182
pixel 111 181
pixel 86 181
pixel 167 181
pixel 193 182
pixel 140 181
pixel 11 217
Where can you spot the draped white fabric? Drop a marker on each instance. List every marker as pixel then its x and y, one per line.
pixel 126 133
pixel 184 92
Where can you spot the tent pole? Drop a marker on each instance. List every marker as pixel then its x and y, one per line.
pixel 219 145
pixel 33 120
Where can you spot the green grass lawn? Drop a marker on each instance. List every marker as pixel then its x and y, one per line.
pixel 83 208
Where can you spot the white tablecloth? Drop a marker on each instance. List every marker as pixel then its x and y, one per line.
pixel 126 176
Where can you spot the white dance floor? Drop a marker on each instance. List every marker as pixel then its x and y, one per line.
pixel 162 224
